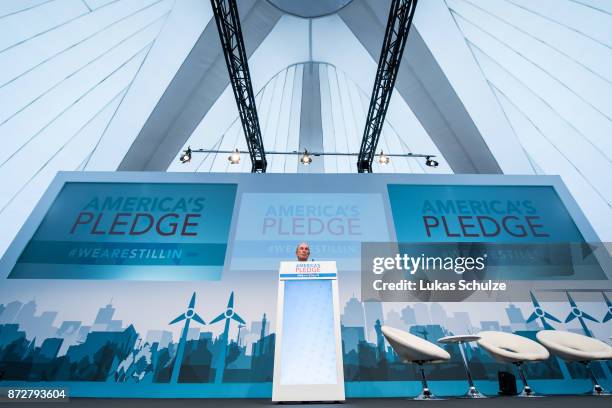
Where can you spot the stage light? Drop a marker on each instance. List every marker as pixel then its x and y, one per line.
pixel 234 158
pixel 383 158
pixel 186 156
pixel 431 162
pixel 306 159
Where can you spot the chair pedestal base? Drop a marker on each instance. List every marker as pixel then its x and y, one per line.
pixel 598 391
pixel 426 395
pixel 473 393
pixel 528 393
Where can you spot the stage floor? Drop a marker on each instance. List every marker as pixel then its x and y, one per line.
pixel 498 402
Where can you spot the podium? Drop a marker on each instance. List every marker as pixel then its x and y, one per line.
pixel 308 350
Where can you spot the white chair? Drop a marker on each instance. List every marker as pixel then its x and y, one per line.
pixel 511 348
pixel 579 348
pixel 413 349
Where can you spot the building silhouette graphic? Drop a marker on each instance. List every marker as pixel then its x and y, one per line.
pixel 76 351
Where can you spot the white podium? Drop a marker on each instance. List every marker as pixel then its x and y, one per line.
pixel 308 351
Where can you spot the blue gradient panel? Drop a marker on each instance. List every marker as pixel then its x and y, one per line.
pixel 271 225
pixel 525 231
pixel 308 351
pixel 132 231
pixel 521 213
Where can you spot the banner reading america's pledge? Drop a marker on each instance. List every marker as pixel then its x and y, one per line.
pixel 136 231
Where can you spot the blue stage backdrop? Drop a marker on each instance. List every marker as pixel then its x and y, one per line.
pixel 97 284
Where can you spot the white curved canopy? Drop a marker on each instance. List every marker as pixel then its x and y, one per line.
pixel 489 86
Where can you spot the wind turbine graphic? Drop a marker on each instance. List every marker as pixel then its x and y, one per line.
pixel 541 314
pixel 577 313
pixel 228 315
pixel 608 315
pixel 187 316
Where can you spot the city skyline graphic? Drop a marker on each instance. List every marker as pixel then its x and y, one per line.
pixel 37 346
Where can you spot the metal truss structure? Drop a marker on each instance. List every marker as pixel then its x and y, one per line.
pixel 396 34
pixel 230 34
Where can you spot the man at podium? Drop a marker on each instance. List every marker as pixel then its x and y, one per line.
pixel 302 252
pixel 308 349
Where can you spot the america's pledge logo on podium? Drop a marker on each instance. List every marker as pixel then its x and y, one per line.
pixel 307 268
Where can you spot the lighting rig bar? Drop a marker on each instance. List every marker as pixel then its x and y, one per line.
pixel 230 34
pixel 295 152
pixel 396 34
pixel 306 159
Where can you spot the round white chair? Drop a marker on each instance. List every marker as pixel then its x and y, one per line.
pixel 577 347
pixel 511 348
pixel 413 349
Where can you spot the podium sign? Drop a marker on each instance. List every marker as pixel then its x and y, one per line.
pixel 308 351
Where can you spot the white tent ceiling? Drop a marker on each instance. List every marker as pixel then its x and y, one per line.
pixel 509 86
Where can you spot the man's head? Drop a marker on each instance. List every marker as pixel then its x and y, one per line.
pixel 302 252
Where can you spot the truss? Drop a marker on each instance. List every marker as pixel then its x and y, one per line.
pixel 230 34
pixel 396 34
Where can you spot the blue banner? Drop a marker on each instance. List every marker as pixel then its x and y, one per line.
pixel 456 213
pixel 138 226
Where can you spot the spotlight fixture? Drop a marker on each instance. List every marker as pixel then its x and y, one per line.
pixel 306 159
pixel 383 158
pixel 430 162
pixel 234 158
pixel 186 156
